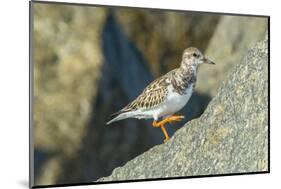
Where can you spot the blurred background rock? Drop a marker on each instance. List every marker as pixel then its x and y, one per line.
pixel 89 62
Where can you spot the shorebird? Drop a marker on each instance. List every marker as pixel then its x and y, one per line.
pixel 166 95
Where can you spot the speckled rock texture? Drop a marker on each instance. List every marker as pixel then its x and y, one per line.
pixel 231 136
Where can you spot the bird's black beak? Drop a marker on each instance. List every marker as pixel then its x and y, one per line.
pixel 207 61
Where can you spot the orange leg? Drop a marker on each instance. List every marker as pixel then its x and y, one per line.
pixel 164 121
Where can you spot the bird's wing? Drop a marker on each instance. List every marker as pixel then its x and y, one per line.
pixel 148 99
pixel 155 93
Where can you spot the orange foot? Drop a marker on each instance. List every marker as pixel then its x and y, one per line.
pixel 164 121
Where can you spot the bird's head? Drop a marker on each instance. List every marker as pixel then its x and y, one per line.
pixel 192 57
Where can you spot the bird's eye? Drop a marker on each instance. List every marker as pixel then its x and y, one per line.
pixel 195 55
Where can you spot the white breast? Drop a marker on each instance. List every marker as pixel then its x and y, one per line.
pixel 175 101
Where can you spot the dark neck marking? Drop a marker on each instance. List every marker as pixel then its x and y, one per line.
pixel 183 79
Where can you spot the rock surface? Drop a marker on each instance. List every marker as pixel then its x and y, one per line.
pixel 231 136
pixel 229 44
pixel 67 61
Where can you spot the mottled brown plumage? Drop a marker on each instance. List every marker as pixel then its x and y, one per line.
pixel 156 92
pixel 168 93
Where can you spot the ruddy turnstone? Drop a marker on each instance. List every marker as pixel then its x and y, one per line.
pixel 167 94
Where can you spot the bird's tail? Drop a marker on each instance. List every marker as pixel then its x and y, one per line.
pixel 119 117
